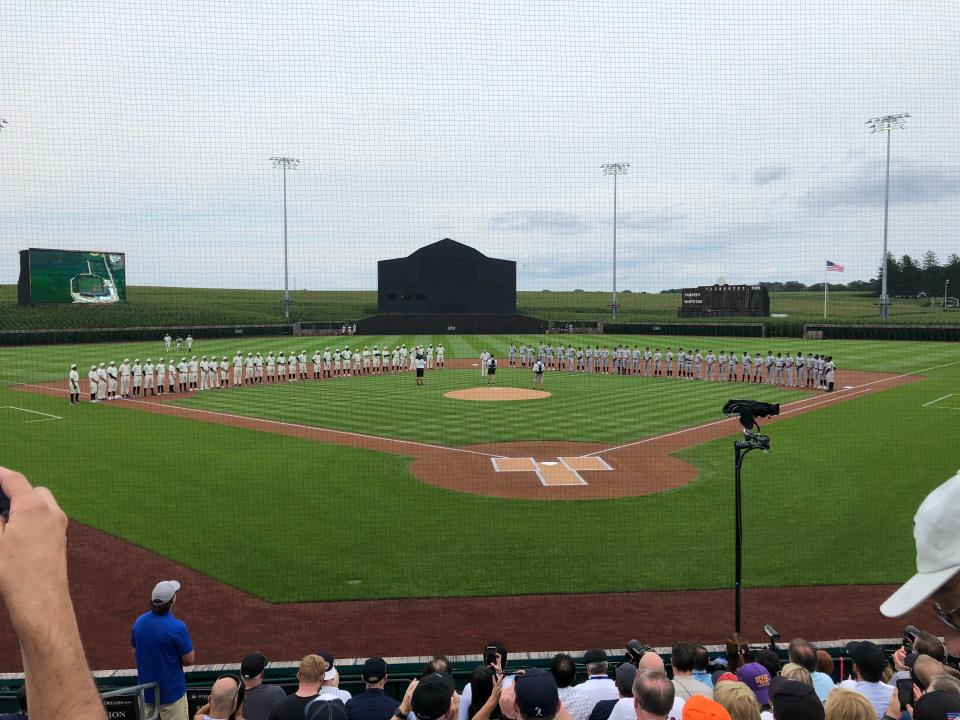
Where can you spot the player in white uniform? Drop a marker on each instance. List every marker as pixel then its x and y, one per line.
pixel 186 384
pixel 258 369
pixel 172 376
pixel 440 356
pixel 189 343
pixel 167 341
pixel 148 378
pixel 125 378
pixel 94 380
pixel 366 360
pixel 161 377
pixel 292 366
pixel 237 368
pixel 800 364
pixel 112 381
pixel 430 356
pixel 768 362
pixel 722 367
pixel 271 362
pixel 317 360
pixel 538 374
pixel 198 371
pixel 345 356
pixel 248 369
pixel 757 368
pixel 788 366
pixel 357 357
pixel 73 384
pixel 137 371
pixel 484 356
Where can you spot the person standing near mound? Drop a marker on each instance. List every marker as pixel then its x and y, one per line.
pixel 538 375
pixel 491 369
pixel 419 363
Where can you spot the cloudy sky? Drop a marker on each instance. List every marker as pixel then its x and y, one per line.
pixel 146 127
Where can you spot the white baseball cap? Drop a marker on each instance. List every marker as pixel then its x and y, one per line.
pixel 164 591
pixel 936 528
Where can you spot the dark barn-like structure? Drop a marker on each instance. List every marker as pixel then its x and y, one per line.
pixel 447 277
pixel 447 287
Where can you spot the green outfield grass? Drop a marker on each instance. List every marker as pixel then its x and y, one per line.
pixel 290 519
pixel 193 307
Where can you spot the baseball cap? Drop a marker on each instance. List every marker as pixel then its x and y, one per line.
pixel 374 670
pixel 536 693
pixel 723 676
pixel 756 677
pixel 868 656
pixel 936 705
pixel 595 655
pixel 626 674
pixel 795 700
pixel 699 707
pixel 252 665
pixel 431 698
pixel 322 708
pixel 164 591
pixel 936 530
pixel 331 672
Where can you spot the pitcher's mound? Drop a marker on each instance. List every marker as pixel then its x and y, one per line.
pixel 496 393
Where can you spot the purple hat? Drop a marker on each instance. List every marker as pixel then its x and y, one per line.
pixel 756 677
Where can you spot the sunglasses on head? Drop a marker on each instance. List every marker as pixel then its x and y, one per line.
pixel 950 618
pixel 237 679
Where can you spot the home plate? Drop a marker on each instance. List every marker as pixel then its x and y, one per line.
pixel 552 473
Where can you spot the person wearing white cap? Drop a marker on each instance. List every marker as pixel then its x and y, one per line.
pixel 125 378
pixel 112 381
pixel 936 529
pixel 73 382
pixel 101 382
pixel 224 371
pixel 137 370
pixel 331 679
pixel 148 378
pixel 163 647
pixel 237 368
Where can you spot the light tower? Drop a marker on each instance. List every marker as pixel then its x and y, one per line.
pixel 614 169
pixel 886 123
pixel 286 163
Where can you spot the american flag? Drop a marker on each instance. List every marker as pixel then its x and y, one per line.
pixel 833 267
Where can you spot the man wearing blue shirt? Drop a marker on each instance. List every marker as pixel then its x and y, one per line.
pixel 162 647
pixel 372 703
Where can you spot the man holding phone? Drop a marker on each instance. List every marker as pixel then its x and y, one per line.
pixel 869 662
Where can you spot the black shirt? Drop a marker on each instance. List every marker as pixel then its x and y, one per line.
pixel 290 708
pixel 602 710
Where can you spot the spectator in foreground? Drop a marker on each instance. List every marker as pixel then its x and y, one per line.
pixel 497 666
pixel 21 713
pixel 225 699
pixel 595 688
pixel 162 647
pixel 564 671
pixel 701 708
pixel 701 665
pixel 936 705
pixel 625 675
pixel 331 679
pixel 682 660
pixel 652 661
pixel 756 677
pixel 433 698
pixel 936 530
pixel 792 671
pixel 792 700
pixel 654 696
pixel 259 698
pixel 372 703
pixel 802 653
pixel 846 704
pixel 536 696
pixel 36 593
pixel 869 663
pixel 309 679
pixel 485 685
pixel 738 700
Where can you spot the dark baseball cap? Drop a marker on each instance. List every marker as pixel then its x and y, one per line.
pixel 626 674
pixel 868 656
pixel 936 705
pixel 536 693
pixel 252 665
pixel 374 670
pixel 431 698
pixel 794 700
pixel 595 655
pixel 325 709
pixel 331 673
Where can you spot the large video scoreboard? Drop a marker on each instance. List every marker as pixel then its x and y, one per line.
pixel 71 276
pixel 725 301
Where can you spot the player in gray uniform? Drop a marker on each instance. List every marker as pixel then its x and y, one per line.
pixel 722 367
pixel 745 367
pixel 711 359
pixel 732 362
pixel 635 358
pixel 778 370
pixel 829 373
pixel 799 363
pixel 768 362
pixel 657 362
pixel 757 368
pixel 669 362
pixel 788 366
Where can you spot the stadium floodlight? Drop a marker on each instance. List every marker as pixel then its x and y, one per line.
pixel 886 123
pixel 286 163
pixel 614 169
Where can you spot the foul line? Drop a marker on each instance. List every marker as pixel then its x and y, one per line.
pixel 35 412
pixel 282 423
pixel 833 398
pixel 937 400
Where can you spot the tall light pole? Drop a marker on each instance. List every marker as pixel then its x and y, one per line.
pixel 614 169
pixel 886 123
pixel 946 285
pixel 286 163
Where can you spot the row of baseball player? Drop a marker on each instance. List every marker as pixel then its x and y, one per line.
pixel 108 381
pixel 815 371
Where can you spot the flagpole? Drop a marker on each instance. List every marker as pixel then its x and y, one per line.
pixel 824 290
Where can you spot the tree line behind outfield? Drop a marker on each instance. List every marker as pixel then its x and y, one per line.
pixel 908 277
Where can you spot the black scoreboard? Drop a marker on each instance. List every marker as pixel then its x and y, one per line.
pixel 725 301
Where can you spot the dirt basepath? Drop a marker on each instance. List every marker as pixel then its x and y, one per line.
pixel 226 623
